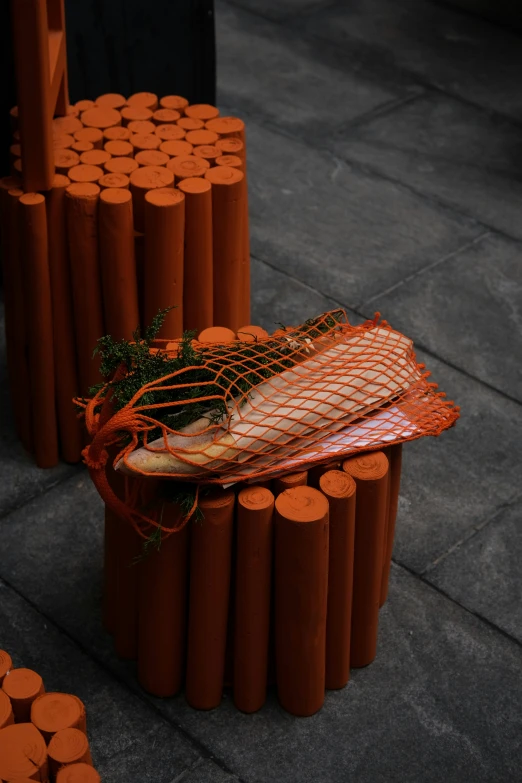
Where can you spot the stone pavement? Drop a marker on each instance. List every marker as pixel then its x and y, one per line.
pixel 385 173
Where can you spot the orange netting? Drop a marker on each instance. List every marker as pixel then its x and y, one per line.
pixel 253 410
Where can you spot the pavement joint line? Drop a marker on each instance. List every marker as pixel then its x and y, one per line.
pixel 419 272
pixel 320 5
pixel 28 499
pixel 366 169
pixel 418 345
pixel 382 110
pixel 186 772
pixel 454 601
pixel 402 71
pixel 474 531
pixel 198 745
pixel 370 171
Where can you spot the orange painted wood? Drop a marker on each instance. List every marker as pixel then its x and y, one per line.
pixel 41 76
pixel 163 273
pixel 198 290
pixel 118 263
pixel 37 281
pixel 81 201
pixel 66 372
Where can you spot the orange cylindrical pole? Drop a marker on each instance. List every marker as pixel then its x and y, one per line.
pixel 6 711
pixel 185 166
pixel 140 127
pixel 22 686
pixel 197 265
pixel 315 473
pixel 231 146
pixel 179 148
pixel 92 135
pixel 202 111
pixel 66 373
pixel 228 195
pixel 101 117
pixel 339 488
pixel 118 263
pixel 85 172
pixel 116 133
pixel 210 566
pixel 290 481
pixel 113 181
pixel 176 102
pixel 164 236
pixel 15 309
pixel 233 128
pixel 23 753
pixel 165 116
pixel 162 610
pixel 255 507
pixel 111 100
pixel 151 158
pixel 395 460
pixel 170 133
pixel 82 146
pixel 82 229
pixel 78 773
pixel 146 100
pixel 216 334
pixel 121 166
pixel 37 281
pixel 142 180
pixel 52 712
pixel 6 664
pixel 370 472
pixel 227 127
pixel 208 152
pixel 68 746
pixel 301 591
pixel 201 137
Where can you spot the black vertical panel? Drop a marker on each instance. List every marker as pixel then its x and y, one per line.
pixel 161 46
pixel 8 91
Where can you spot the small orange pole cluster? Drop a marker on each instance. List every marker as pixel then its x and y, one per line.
pixel 147 210
pixel 280 569
pixel 43 736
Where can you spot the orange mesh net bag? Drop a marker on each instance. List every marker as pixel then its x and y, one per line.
pixel 246 411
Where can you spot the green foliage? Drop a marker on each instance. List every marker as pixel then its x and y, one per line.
pixel 219 374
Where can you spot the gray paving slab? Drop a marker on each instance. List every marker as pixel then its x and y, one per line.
pixel 343 232
pixel 21 479
pixel 127 737
pixel 484 573
pixel 266 72
pixel 449 150
pixel 436 668
pixel 467 310
pixel 206 771
pixel 278 299
pixel 416 714
pixel 456 482
pixel 280 10
pixel 451 50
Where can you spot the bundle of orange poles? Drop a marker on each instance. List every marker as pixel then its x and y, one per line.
pixel 287 573
pixel 52 726
pixel 148 210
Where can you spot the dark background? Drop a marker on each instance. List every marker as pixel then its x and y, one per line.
pixel 161 46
